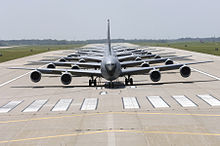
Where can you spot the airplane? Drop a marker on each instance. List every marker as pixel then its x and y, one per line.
pixel 125 64
pixel 110 69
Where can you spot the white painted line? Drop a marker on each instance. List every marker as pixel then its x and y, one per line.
pixel 9 106
pixel 62 105
pixel 12 80
pixel 89 104
pixel 5 83
pixel 130 103
pixel 184 101
pixel 210 99
pixel 157 101
pixel 35 106
pixel 217 78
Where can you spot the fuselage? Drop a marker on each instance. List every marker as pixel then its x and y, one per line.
pixel 110 66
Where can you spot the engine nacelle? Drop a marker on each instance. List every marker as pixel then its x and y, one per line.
pixel 157 56
pixel 155 75
pixel 185 71
pixel 35 76
pixel 82 60
pixel 145 64
pixel 75 67
pixel 149 53
pixel 66 78
pixel 62 60
pixel 137 58
pixel 51 65
pixel 169 61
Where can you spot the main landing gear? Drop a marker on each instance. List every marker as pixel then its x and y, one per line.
pixel 128 80
pixel 92 81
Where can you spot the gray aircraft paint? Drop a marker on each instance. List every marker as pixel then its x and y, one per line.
pixel 110 66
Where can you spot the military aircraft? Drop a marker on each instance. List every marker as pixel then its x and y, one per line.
pixel 110 69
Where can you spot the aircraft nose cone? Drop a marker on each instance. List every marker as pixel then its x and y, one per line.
pixel 110 68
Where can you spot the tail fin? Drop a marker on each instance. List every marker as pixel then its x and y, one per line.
pixel 108 38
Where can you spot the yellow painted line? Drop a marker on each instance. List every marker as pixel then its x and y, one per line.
pixel 108 131
pixel 105 113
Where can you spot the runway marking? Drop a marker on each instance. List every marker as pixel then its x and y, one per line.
pixel 12 80
pixel 130 103
pixel 89 104
pixel 5 83
pixel 210 99
pixel 111 131
pixel 62 105
pixel 212 76
pixel 184 101
pixel 35 106
pixel 9 106
pixel 106 113
pixel 157 101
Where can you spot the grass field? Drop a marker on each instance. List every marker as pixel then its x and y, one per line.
pixel 209 47
pixel 18 52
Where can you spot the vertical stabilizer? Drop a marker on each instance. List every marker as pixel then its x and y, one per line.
pixel 108 38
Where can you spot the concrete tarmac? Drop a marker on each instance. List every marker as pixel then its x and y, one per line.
pixel 174 111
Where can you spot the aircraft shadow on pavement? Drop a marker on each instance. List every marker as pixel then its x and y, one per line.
pixel 175 82
pixel 117 85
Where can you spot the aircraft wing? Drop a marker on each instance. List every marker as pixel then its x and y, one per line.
pixel 77 72
pixel 88 58
pixel 150 61
pixel 143 70
pixel 81 64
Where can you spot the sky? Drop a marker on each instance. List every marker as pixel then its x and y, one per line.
pixel 87 19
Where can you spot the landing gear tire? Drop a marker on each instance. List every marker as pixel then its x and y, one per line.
pixel 94 82
pixel 131 81
pixel 126 81
pixel 90 83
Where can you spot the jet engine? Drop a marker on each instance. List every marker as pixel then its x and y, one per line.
pixel 82 60
pixel 62 60
pixel 145 64
pixel 75 67
pixel 155 75
pixel 51 65
pixel 185 71
pixel 149 53
pixel 35 76
pixel 137 58
pixel 66 78
pixel 157 56
pixel 168 61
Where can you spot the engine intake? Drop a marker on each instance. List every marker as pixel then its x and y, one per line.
pixel 185 71
pixel 137 58
pixel 168 61
pixel 145 64
pixel 66 78
pixel 51 65
pixel 157 56
pixel 75 67
pixel 82 60
pixel 155 75
pixel 62 60
pixel 35 76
